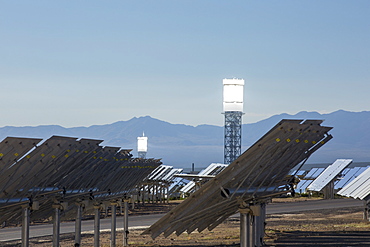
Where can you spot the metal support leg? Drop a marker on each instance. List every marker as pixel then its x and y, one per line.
pixel 366 214
pixel 97 226
pixel 168 195
pixel 148 195
pixel 263 221
pixel 125 225
pixel 247 228
pixel 153 194
pixel 113 226
pixel 156 194
pixel 258 231
pixel 143 195
pixel 56 226
pixel 367 210
pixel 162 195
pixel 329 190
pixel 243 229
pixel 78 225
pixel 260 225
pixel 25 226
pixel 251 230
pixel 159 194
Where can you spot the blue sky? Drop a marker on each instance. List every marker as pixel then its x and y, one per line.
pixel 81 63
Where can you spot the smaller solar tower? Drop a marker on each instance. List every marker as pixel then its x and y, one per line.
pixel 233 111
pixel 142 146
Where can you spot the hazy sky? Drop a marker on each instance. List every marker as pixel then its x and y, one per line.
pixel 81 63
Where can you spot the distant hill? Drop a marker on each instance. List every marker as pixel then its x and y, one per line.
pixel 180 145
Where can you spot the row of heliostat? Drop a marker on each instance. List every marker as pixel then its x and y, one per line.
pixel 177 183
pixel 351 182
pixel 316 179
pixel 31 167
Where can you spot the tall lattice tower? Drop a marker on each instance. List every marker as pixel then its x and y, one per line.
pixel 233 111
pixel 142 146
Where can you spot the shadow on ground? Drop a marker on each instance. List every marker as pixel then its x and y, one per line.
pixel 302 238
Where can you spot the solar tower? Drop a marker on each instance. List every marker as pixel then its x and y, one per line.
pixel 142 146
pixel 233 111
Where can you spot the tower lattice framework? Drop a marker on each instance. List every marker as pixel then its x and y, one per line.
pixel 141 155
pixel 233 135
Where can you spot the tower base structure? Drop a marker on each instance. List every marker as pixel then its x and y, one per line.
pixel 142 155
pixel 233 135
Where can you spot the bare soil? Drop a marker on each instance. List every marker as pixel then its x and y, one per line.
pixel 334 227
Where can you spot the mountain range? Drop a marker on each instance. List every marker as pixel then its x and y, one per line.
pixel 181 145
